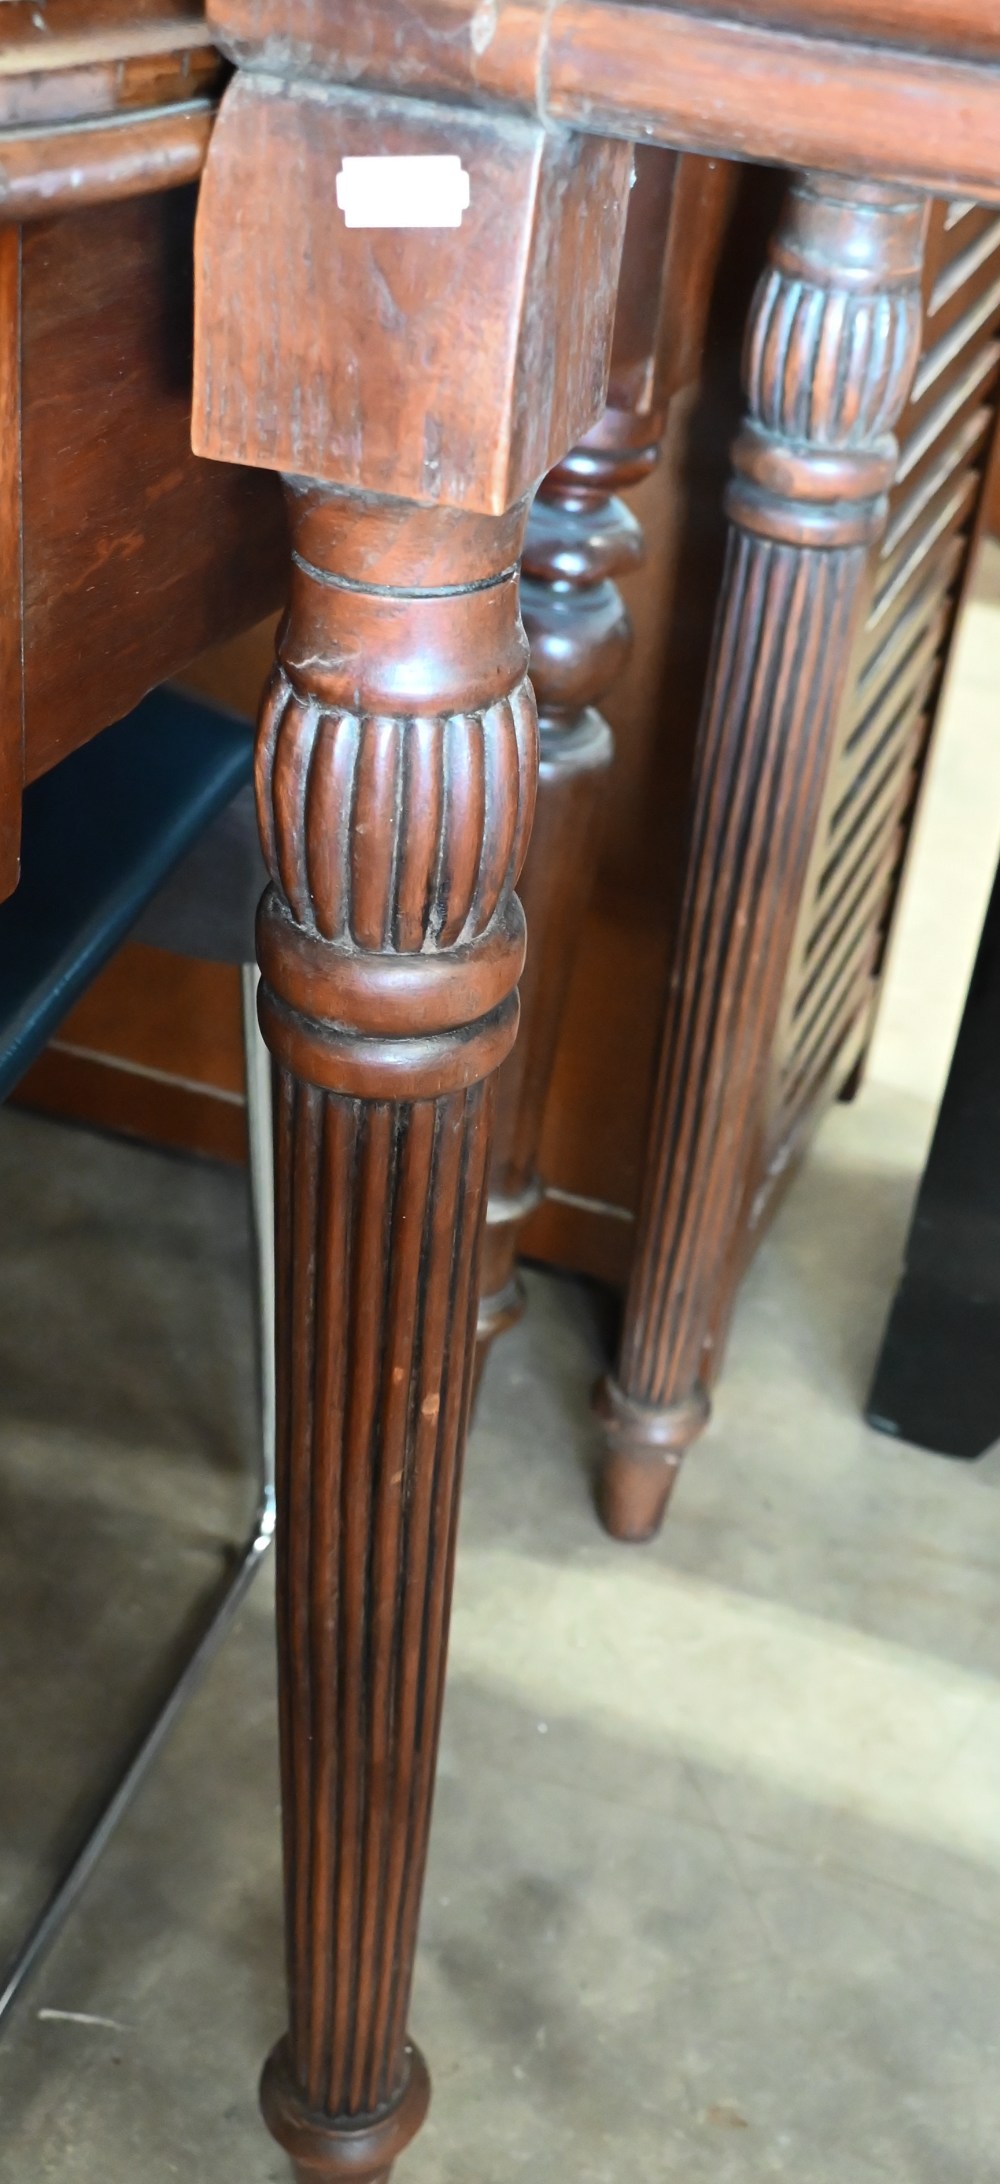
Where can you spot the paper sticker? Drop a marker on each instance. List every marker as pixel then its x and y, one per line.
pixel 411 190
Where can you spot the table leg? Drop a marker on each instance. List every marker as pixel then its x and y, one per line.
pixel 390 944
pixel 831 348
pixel 412 384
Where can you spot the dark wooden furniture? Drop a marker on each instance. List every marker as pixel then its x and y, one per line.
pixel 105 116
pixel 413 385
pixel 389 943
pixel 937 1381
pixel 600 884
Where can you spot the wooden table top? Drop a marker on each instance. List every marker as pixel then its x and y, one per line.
pixel 958 27
pixel 906 90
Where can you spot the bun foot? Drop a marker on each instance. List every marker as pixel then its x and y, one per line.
pixel 352 2150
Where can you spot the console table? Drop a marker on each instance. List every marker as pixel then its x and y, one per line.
pixel 412 383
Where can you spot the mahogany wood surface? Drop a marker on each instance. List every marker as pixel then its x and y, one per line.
pixel 812 468
pixel 427 381
pixel 110 486
pixel 101 103
pixel 784 94
pixel 581 538
pixel 923 106
pixel 944 26
pixel 98 481
pixel 414 387
pixel 591 1162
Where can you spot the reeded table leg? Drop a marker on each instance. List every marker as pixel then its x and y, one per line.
pixel 390 945
pixel 412 385
pixel 831 349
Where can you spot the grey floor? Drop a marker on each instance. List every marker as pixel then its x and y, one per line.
pixel 715 1883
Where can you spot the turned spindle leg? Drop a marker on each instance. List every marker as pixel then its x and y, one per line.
pixel 582 538
pixel 390 944
pixel 831 348
pixel 394 376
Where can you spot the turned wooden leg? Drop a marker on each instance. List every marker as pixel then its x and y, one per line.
pixel 390 944
pixel 581 539
pixel 831 348
pixel 412 385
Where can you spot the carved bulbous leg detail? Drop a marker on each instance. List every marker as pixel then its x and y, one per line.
pixel 396 762
pixel 831 349
pixel 581 538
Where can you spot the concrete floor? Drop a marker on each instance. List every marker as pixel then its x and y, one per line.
pixel 715 1883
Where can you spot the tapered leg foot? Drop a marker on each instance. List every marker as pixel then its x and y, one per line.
pixel 359 2152
pixel 644 1448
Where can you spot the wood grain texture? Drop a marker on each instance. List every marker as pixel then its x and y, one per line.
pixel 711 83
pixel 581 539
pixel 422 375
pixel 59 35
pixel 163 1109
pixel 110 483
pixel 943 26
pixel 101 104
pixel 102 162
pixel 831 350
pixel 390 947
pixel 592 1151
pixel 45 83
pixel 908 90
pixel 454 49
pixel 546 213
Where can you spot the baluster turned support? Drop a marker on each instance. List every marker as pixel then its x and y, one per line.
pixel 412 385
pixel 832 344
pixel 582 538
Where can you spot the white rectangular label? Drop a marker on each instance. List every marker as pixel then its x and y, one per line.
pixel 408 190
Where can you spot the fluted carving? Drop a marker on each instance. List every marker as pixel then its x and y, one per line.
pixel 394 834
pixel 824 366
pixel 380 1207
pixel 831 348
pixel 395 779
